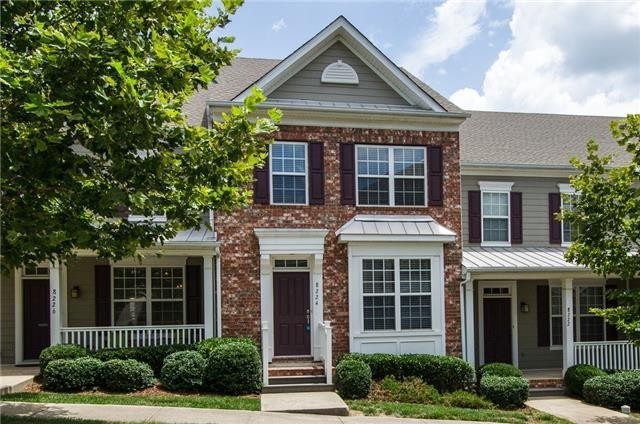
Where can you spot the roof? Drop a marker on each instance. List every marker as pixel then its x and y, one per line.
pixel 533 139
pixel 394 227
pixel 201 235
pixel 516 259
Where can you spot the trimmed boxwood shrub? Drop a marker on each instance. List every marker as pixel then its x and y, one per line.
pixel 614 390
pixel 65 375
pixel 353 379
pixel 61 351
pixel 381 364
pixel 206 346
pixel 463 399
pixel 183 371
pixel 153 356
pixel 506 392
pixel 234 369
pixel 498 369
pixel 126 375
pixel 576 376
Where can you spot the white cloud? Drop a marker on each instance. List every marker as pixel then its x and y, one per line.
pixel 442 71
pixel 565 58
pixel 454 25
pixel 277 26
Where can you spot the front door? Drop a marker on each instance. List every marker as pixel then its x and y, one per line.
pixel 497 330
pixel 291 313
pixel 36 319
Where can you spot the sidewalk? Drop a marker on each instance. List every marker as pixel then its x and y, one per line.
pixel 579 412
pixel 15 379
pixel 157 414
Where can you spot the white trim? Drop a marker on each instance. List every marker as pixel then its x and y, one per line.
pixel 567 327
pixel 295 174
pixel 208 281
pixel 495 186
pixel 218 296
pixel 513 295
pixel 515 170
pixel 339 72
pixel 566 188
pixel 468 324
pixel 55 309
pixel 17 316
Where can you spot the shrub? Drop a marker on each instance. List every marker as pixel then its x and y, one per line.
pixel 463 399
pixel 353 379
pixel 498 369
pixel 381 364
pixel 62 351
pixel 576 376
pixel 614 390
pixel 206 346
pixel 411 390
pixel 183 371
pixel 506 392
pixel 126 375
pixel 64 375
pixel 153 356
pixel 233 368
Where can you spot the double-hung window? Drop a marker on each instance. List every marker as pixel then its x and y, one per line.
pixel 496 216
pixel 391 176
pixel 567 199
pixel 587 326
pixel 288 173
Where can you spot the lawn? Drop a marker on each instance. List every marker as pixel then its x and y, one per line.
pixel 425 411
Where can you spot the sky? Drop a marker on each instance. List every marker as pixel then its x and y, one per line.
pixel 578 57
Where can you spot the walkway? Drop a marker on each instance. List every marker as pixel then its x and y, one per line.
pixel 15 379
pixel 157 414
pixel 579 412
pixel 321 403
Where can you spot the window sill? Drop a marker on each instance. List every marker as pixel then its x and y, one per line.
pixel 495 244
pixel 555 347
pixel 566 244
pixel 392 206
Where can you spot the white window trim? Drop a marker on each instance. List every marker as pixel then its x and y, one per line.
pixel 576 312
pixel 391 176
pixel 297 174
pixel 498 187
pixel 565 189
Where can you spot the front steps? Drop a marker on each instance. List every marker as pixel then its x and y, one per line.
pixel 296 374
pixel 546 387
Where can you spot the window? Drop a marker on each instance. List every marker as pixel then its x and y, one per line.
pixel 495 213
pixel 289 173
pixel 567 200
pixel 391 176
pixel 35 271
pixel 387 308
pixel 291 263
pixel 587 326
pixel 140 290
pixel 556 316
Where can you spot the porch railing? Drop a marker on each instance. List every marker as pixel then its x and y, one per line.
pixel 94 338
pixel 326 349
pixel 620 355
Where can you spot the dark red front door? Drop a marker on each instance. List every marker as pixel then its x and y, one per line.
pixel 497 330
pixel 291 313
pixel 36 318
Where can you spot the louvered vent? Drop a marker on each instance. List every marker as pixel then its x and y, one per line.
pixel 339 73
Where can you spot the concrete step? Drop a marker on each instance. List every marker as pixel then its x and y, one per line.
pixel 288 359
pixel 322 403
pixel 290 371
pixel 298 388
pixel 298 379
pixel 546 392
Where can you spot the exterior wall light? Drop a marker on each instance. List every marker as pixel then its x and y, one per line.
pixel 75 292
pixel 524 307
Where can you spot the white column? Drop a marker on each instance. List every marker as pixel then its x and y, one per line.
pixel 208 296
pixel 266 305
pixel 317 305
pixel 55 295
pixel 469 324
pixel 567 323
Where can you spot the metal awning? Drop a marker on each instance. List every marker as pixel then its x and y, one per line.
pixel 497 259
pixel 394 228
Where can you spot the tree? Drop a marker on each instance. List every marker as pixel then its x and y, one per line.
pixel 607 214
pixel 92 124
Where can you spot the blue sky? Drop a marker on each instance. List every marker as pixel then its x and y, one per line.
pixel 491 55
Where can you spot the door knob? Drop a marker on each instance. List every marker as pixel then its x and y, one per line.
pixel 308 317
pixel 43 324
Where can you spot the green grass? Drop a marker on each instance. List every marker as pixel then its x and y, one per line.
pixel 187 401
pixel 438 412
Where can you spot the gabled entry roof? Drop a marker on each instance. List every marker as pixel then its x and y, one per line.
pixel 394 228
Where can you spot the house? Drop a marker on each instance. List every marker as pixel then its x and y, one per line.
pixel 354 241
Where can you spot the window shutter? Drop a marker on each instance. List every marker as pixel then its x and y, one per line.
pixel 516 218
pixel 194 298
pixel 544 327
pixel 434 175
pixel 347 174
pixel 316 173
pixel 261 184
pixel 102 281
pixel 555 229
pixel 475 216
pixel 612 332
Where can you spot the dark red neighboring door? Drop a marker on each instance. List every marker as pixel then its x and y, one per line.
pixel 291 313
pixel 497 330
pixel 36 317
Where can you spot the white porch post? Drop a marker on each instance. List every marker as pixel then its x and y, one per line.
pixel 209 281
pixel 55 309
pixel 317 303
pixel 567 327
pixel 468 324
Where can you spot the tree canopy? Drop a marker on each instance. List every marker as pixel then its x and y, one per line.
pixel 92 123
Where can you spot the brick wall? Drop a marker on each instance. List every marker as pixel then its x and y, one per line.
pixel 240 250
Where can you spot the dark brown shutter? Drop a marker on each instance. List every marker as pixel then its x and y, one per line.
pixel 612 332
pixel 475 216
pixel 194 289
pixel 434 175
pixel 102 281
pixel 555 229
pixel 347 174
pixel 543 316
pixel 516 218
pixel 261 183
pixel 316 173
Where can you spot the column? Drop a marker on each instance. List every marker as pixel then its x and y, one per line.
pixel 567 324
pixel 55 294
pixel 209 281
pixel 469 324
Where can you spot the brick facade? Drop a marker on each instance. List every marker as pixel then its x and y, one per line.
pixel 239 252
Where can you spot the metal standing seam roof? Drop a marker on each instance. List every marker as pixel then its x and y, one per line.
pixel 192 236
pixel 517 259
pixel 385 226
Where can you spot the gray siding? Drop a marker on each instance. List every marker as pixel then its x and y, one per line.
pixel 7 318
pixel 306 85
pixel 81 310
pixel 535 206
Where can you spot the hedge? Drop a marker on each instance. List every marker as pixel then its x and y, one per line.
pixel 64 375
pixel 153 356
pixel 353 379
pixel 577 375
pixel 183 371
pixel 506 392
pixel 206 346
pixel 498 369
pixel 614 390
pixel 233 368
pixel 126 375
pixel 61 351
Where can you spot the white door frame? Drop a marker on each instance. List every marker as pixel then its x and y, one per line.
pixel 513 295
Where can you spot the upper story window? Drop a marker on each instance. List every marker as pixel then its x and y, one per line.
pixel 288 173
pixel 391 176
pixel 567 199
pixel 496 217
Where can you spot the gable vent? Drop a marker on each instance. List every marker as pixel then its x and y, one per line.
pixel 339 73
